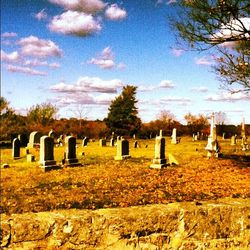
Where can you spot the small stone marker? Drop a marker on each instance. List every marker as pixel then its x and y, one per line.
pixel 70 152
pixel 23 139
pixel 233 140
pixel 30 158
pixel 244 143
pixel 51 133
pixel 16 149
pixel 102 142
pixel 159 160
pixel 34 139
pixel 174 137
pixel 212 143
pixel 85 142
pixel 122 149
pixel 47 154
pixel 112 142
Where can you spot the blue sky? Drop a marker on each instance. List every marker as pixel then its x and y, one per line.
pixel 78 54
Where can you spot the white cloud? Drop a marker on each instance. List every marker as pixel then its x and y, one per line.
pixel 181 100
pixel 200 89
pixel 166 84
pixel 114 12
pixel 9 34
pixel 25 70
pixel 41 15
pixel 146 88
pixel 33 46
pixel 228 97
pixel 104 99
pixel 88 84
pixel 163 84
pixel 13 57
pixel 104 64
pixel 54 65
pixel 35 63
pixel 76 23
pixel 107 53
pixel 87 6
pixel 203 61
pixel 105 60
pixel 177 52
pixel 121 66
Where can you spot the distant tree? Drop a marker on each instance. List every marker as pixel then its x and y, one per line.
pixel 196 123
pixel 42 114
pixel 10 122
pixel 220 118
pixel 123 114
pixel 222 25
pixel 80 111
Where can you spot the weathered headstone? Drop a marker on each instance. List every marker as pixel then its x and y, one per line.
pixel 223 136
pixel 159 160
pixel 51 133
pixel 30 158
pixel 47 154
pixel 174 137
pixel 122 149
pixel 16 148
pixel 85 141
pixel 23 139
pixel 102 142
pixel 112 142
pixel 244 143
pixel 233 140
pixel 34 139
pixel 212 144
pixel 70 152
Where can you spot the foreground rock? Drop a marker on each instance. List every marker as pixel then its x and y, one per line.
pixel 188 225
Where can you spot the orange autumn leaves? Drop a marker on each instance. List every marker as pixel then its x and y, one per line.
pixel 122 184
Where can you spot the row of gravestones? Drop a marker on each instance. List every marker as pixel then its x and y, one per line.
pixel 47 161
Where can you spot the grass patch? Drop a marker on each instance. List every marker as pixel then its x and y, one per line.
pixel 103 182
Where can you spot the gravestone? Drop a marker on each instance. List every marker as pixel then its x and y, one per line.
pixel 85 142
pixel 244 143
pixel 102 142
pixel 112 142
pixel 16 148
pixel 122 149
pixel 23 140
pixel 34 139
pixel 159 160
pixel 174 137
pixel 233 140
pixel 47 154
pixel 223 136
pixel 70 152
pixel 51 133
pixel 136 145
pixel 212 143
pixel 30 158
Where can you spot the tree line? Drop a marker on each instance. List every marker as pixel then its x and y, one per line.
pixel 122 119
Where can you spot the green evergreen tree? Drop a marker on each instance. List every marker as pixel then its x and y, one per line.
pixel 122 117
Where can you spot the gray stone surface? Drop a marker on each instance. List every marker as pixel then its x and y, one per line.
pixel 222 225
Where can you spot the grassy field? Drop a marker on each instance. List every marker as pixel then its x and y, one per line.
pixel 103 182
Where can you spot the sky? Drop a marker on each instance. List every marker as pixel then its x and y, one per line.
pixel 79 54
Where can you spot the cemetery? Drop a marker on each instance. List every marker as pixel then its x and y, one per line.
pixel 141 137
pixel 75 176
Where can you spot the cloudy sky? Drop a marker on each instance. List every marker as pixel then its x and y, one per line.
pixel 79 54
